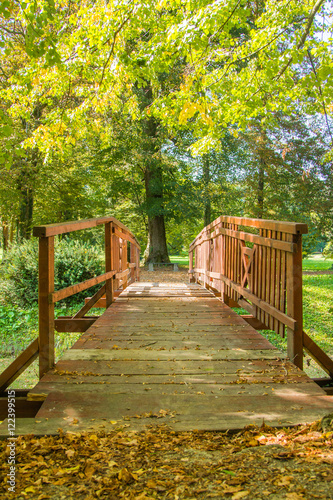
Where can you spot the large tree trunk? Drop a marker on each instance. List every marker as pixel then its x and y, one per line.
pixel 157 247
pixel 156 250
pixel 5 236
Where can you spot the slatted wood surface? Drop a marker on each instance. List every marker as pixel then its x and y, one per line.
pixel 172 354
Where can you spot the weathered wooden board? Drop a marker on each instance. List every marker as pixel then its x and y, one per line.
pixel 159 356
pixel 190 355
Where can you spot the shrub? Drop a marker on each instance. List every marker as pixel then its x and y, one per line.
pixel 74 262
pixel 328 250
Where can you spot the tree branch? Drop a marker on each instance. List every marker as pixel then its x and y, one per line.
pixel 113 45
pixel 314 11
pixel 321 94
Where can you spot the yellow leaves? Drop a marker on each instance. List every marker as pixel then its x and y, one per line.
pixel 190 109
pixel 36 397
pixel 240 494
pixel 126 477
pixel 70 453
pixel 30 489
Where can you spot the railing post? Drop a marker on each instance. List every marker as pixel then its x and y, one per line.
pixel 190 269
pixel 124 261
pixel 137 264
pixel 46 308
pixel 132 260
pixel 109 284
pixel 294 301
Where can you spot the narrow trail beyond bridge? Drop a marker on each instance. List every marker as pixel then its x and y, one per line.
pixel 172 353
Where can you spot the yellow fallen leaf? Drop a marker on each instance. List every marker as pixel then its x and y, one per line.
pixel 70 453
pixel 240 494
pixel 30 489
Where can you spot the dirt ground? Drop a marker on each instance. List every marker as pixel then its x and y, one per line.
pixel 257 463
pixel 165 274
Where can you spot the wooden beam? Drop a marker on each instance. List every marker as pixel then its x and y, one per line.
pixel 286 227
pixel 23 408
pixel 318 354
pixel 70 325
pixel 109 265
pixel 90 303
pixel 127 237
pixel 244 292
pixel 254 322
pixel 295 302
pixel 67 227
pixel 46 308
pixel 72 290
pixel 122 274
pixel 18 366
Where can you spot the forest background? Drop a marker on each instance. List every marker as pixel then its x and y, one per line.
pixel 164 114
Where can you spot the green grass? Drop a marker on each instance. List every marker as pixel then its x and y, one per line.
pixel 182 260
pixel 316 262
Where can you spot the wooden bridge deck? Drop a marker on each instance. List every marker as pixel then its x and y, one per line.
pixel 172 354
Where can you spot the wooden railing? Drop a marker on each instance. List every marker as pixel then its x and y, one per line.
pixel 118 274
pixel 257 265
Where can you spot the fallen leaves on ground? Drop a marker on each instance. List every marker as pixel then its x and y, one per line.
pixel 159 463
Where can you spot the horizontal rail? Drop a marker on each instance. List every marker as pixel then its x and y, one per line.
pixel 80 287
pixel 262 224
pixel 67 227
pixel 257 263
pixel 249 237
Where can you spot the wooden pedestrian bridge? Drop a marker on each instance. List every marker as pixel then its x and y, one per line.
pixel 176 353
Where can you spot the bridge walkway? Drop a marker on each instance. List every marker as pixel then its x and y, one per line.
pixel 172 353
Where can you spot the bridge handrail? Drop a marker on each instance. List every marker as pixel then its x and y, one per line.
pixel 118 274
pixel 257 265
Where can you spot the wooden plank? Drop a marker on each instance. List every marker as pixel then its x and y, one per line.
pixel 195 408
pixel 80 287
pixel 90 303
pixel 23 408
pixel 254 322
pixel 19 365
pixel 71 325
pixel 189 355
pixel 67 227
pixel 125 236
pixel 46 308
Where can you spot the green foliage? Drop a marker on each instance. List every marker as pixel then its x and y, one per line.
pixel 75 262
pixel 328 250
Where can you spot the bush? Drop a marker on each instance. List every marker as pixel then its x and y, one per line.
pixel 328 250
pixel 74 262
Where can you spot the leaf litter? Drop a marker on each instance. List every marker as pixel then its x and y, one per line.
pixel 159 463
